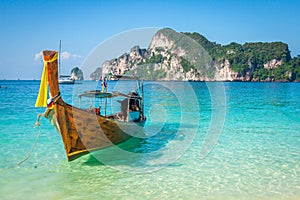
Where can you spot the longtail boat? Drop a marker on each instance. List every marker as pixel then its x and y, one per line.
pixel 83 130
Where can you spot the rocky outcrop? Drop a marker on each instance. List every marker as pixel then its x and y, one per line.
pixel 176 56
pixel 272 64
pixel 76 74
pixel 124 63
pixel 160 40
pixel 224 72
pixel 97 74
pixel 137 54
pixel 163 60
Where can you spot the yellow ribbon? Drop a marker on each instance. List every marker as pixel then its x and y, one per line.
pixel 41 100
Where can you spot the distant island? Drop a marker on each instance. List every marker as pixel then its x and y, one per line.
pixel 76 74
pixel 192 57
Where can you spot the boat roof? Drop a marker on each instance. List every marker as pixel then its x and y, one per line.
pixel 125 77
pixel 96 94
pixel 100 94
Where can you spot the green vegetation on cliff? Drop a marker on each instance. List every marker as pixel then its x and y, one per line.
pixel 146 72
pixel 251 57
pixel 186 65
pixel 157 58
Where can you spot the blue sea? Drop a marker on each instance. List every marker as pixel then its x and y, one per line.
pixel 202 141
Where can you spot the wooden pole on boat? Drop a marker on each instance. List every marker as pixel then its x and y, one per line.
pixel 105 106
pixel 52 72
pixel 128 100
pixel 80 102
pixel 59 52
pixel 143 97
pixel 105 103
pixel 52 68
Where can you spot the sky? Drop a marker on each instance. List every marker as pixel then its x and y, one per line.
pixel 28 27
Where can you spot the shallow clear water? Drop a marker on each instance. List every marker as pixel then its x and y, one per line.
pixel 257 154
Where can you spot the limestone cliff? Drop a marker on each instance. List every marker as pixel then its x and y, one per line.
pixel 191 57
pixel 272 64
pixel 125 62
pixel 170 56
pixel 96 75
pixel 224 72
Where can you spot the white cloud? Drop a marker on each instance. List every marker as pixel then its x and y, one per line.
pixel 76 56
pixel 67 55
pixel 38 56
pixel 64 56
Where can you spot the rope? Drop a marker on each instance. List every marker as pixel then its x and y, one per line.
pixel 37 123
pixel 32 148
pixel 53 100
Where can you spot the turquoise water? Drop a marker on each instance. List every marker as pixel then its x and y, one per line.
pixel 256 127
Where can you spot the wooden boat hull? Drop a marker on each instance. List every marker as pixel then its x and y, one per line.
pixel 83 132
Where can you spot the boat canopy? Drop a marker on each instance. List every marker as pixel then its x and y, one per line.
pixel 97 94
pixel 64 76
pixel 100 94
pixel 125 77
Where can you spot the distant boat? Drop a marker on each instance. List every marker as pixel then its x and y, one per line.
pixel 65 79
pixel 85 130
